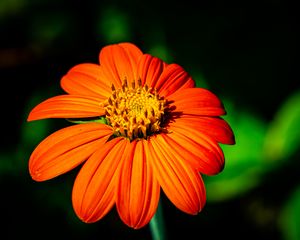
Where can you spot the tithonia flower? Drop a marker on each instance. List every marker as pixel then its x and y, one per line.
pixel 141 127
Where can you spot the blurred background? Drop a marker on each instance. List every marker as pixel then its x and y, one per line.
pixel 245 55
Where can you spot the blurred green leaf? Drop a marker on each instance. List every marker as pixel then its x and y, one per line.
pixel 283 136
pixel 199 78
pixel 244 164
pixel 48 27
pixel 6 163
pixel 16 162
pixel 11 7
pixel 114 25
pixel 289 220
pixel 32 132
pixel 161 51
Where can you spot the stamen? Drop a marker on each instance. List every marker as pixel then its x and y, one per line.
pixel 113 87
pixel 125 83
pixel 152 112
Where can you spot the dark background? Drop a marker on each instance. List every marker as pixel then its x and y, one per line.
pixel 246 55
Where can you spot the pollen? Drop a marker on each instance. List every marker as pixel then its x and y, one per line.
pixel 134 111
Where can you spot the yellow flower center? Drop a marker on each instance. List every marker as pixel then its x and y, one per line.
pixel 134 111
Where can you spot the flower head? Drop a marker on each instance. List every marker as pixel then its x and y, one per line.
pixel 150 128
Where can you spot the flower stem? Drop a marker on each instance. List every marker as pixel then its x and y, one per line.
pixel 157 226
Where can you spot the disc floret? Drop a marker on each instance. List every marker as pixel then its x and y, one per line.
pixel 134 111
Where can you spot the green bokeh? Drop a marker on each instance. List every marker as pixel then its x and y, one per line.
pixel 289 220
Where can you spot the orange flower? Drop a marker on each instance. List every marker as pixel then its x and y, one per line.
pixel 150 128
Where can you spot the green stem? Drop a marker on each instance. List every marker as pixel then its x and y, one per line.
pixel 157 226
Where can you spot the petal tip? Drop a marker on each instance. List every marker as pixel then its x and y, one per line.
pixel 36 175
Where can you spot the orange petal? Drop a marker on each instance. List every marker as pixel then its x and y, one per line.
pixel 81 83
pixel 181 183
pixel 212 156
pixel 67 106
pixel 90 69
pixel 149 69
pixel 138 191
pixel 173 78
pixel 94 188
pixel 66 149
pixel 197 101
pixel 119 62
pixel 215 127
pixel 202 155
